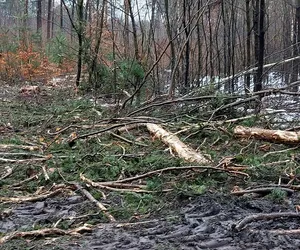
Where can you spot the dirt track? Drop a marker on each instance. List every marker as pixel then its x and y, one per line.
pixel 205 223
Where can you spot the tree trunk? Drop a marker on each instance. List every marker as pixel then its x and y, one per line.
pixel 80 35
pixel 186 24
pixel 248 47
pixel 126 29
pixel 172 46
pixel 49 19
pixel 25 25
pixel 279 136
pixel 261 45
pixel 256 36
pixel 93 74
pixel 136 50
pixel 61 21
pixel 39 16
pixel 296 49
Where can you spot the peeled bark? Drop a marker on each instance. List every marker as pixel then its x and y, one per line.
pixel 279 136
pixel 182 150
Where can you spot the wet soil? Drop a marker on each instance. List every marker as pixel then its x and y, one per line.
pixel 207 222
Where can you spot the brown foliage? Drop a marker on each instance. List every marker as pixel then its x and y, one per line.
pixel 27 64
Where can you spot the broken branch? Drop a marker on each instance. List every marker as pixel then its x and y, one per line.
pixel 257 217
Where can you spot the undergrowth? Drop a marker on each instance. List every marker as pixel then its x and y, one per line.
pixel 103 157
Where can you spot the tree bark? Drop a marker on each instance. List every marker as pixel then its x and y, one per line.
pixel 49 19
pixel 248 47
pixel 80 35
pixel 260 44
pixel 296 48
pixel 126 29
pixel 61 21
pixel 25 25
pixel 39 16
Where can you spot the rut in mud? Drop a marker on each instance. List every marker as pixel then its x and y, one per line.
pixel 204 223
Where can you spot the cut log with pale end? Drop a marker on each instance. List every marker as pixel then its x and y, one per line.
pixel 182 150
pixel 280 136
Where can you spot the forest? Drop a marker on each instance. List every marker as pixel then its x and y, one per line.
pixel 149 124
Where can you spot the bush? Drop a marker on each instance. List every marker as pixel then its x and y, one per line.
pixel 58 50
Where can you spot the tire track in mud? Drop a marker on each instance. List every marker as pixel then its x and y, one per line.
pixel 205 223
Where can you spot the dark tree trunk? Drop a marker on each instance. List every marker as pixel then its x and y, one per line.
pixel 136 50
pixel 25 25
pixel 49 19
pixel 126 29
pixel 261 46
pixel 186 17
pixel 61 21
pixel 134 31
pixel 256 35
pixel 72 18
pixel 248 46
pixel 39 16
pixel 80 31
pixel 296 49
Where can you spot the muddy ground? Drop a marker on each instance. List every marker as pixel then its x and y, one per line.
pixel 206 222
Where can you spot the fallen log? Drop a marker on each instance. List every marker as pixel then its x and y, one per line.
pixel 280 136
pixel 177 146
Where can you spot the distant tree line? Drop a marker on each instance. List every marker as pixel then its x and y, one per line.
pixel 150 47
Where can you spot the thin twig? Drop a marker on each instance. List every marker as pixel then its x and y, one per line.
pixel 125 188
pixel 31 197
pixel 279 151
pixel 159 171
pixel 24 160
pixel 128 141
pixel 265 190
pixel 26 180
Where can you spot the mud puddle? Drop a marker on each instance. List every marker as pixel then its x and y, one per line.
pixel 205 223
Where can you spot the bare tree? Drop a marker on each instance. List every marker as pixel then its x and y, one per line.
pixel 259 29
pixel 296 44
pixel 39 16
pixel 49 19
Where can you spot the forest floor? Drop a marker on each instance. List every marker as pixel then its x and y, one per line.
pixel 45 174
